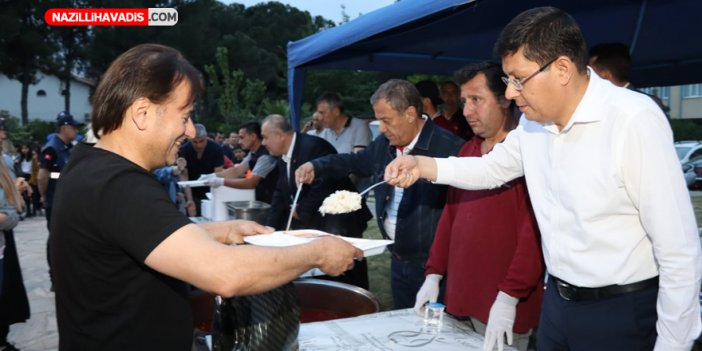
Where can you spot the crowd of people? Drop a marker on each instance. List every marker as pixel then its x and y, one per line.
pixel 530 194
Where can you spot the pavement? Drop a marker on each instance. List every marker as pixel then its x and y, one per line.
pixel 39 333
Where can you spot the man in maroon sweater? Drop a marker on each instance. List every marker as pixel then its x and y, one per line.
pixel 487 241
pixel 451 117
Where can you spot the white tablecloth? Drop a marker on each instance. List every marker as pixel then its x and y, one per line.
pixel 392 330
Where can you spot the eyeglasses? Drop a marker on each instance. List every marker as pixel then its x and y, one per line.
pixel 519 83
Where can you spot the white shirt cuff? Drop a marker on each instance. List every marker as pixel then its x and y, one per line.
pixel 444 170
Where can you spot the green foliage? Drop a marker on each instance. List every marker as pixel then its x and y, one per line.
pixel 306 111
pixel 697 206
pixel 38 130
pixel 379 269
pixel 685 130
pixel 355 88
pixel 238 99
pixel 345 18
pixel 34 132
pixel 22 33
pixel 23 48
pixel 416 78
pixel 278 107
pixel 108 42
pixel 71 53
pixel 255 39
pixel 14 129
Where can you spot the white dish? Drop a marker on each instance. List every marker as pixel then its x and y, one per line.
pixel 276 239
pixel 191 183
pixel 369 247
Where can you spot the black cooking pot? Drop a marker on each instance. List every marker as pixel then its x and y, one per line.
pixel 266 321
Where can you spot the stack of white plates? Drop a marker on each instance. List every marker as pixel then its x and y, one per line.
pixel 206 208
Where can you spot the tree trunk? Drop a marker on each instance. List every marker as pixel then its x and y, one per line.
pixel 25 91
pixel 67 94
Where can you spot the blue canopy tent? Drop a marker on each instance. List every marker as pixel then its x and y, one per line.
pixel 440 36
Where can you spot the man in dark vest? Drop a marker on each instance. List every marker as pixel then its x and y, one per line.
pixel 54 156
pixel 256 170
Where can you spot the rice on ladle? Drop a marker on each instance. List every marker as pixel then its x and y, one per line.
pixel 341 201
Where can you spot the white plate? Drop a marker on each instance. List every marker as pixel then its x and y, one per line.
pixel 297 237
pixel 370 247
pixel 191 183
pixel 275 239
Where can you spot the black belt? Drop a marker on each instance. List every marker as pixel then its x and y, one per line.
pixel 571 292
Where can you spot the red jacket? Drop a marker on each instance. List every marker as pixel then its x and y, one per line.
pixel 488 240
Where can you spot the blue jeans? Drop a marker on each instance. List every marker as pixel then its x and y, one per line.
pixel 623 322
pixel 406 277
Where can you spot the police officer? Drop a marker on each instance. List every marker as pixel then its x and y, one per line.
pixel 54 156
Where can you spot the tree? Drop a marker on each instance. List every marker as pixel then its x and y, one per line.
pixel 23 48
pixel 345 18
pixel 71 43
pixel 34 132
pixel 238 98
pixel 256 40
pixel 108 42
pixel 258 43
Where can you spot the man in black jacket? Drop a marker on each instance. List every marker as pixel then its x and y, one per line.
pixel 407 216
pixel 295 149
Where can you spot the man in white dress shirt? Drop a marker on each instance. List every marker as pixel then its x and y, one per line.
pixel 619 235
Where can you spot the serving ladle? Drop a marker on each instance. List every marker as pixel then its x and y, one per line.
pixel 292 208
pixel 371 187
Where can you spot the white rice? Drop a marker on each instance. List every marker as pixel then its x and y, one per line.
pixel 341 201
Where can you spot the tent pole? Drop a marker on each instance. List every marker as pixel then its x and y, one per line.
pixel 296 83
pixel 639 23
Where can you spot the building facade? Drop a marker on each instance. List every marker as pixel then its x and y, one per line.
pixel 684 101
pixel 46 99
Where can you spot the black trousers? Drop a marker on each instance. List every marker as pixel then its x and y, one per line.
pixel 14 304
pixel 47 211
pixel 623 322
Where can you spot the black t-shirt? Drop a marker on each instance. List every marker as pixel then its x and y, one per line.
pixel 113 213
pixel 212 157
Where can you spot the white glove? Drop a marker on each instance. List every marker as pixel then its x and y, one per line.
pixel 500 322
pixel 214 182
pixel 205 177
pixel 429 292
